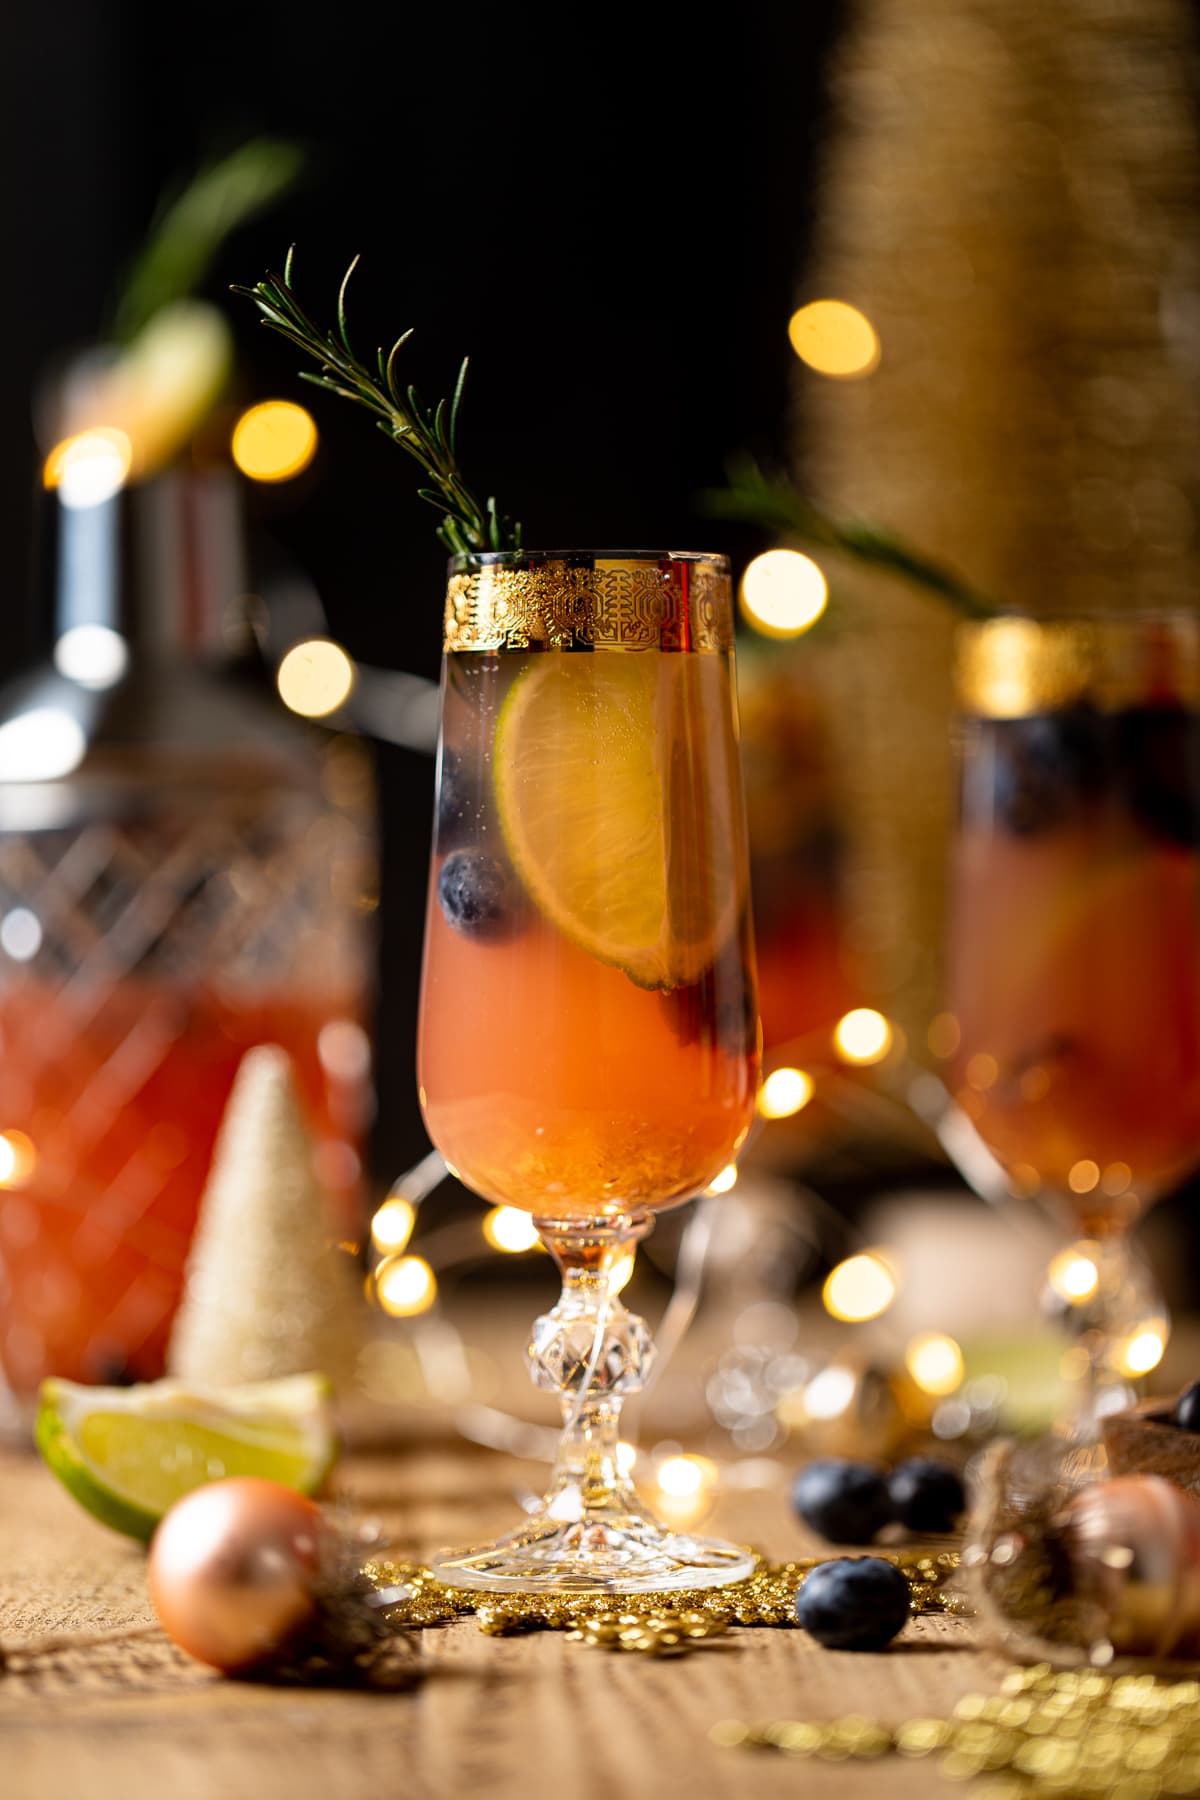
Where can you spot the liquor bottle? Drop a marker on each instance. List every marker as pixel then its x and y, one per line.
pixel 186 870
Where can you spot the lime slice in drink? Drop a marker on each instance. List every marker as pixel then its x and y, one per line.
pixel 616 785
pixel 127 1454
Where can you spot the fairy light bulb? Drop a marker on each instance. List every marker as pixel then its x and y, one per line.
pixel 274 440
pixel 835 339
pixel 393 1224
pixel 1143 1349
pixel 862 1287
pixel 405 1286
pixel 782 593
pixel 935 1362
pixel 1074 1273
pixel 681 1477
pixel 18 1158
pixel 315 678
pixel 89 468
pixel 862 1036
pixel 510 1230
pixel 784 1093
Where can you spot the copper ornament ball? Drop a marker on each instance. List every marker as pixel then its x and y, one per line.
pixel 232 1570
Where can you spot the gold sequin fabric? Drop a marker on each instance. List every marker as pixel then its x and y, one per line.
pixel 653 1624
pixel 1073 1732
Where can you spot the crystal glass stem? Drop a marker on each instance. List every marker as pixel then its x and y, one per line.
pixel 591 1530
pixel 593 1352
pixel 1115 1332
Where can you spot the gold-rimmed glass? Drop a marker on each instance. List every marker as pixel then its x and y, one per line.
pixel 588 1042
pixel 1074 966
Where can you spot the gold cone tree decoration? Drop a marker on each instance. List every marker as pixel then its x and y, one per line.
pixel 1011 193
pixel 266 1293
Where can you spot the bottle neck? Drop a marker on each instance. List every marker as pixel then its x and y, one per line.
pixel 154 572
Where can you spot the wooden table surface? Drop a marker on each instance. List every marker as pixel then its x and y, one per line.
pixel 510 1719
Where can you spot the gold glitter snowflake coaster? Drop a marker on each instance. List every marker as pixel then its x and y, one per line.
pixel 652 1624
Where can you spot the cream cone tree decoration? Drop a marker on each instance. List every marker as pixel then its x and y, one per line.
pixel 266 1292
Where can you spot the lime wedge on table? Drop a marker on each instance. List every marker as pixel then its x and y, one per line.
pixel 617 803
pixel 128 1453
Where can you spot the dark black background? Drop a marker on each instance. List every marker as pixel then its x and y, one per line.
pixel 611 216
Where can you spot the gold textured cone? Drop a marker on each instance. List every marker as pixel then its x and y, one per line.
pixel 1011 192
pixel 266 1293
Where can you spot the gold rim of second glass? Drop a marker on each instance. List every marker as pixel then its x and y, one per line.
pixel 1016 665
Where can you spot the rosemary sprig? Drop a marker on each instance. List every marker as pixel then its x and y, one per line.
pixel 773 502
pixel 429 435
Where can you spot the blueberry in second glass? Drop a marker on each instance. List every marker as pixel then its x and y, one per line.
pixel 845 1501
pixel 854 1603
pixel 1187 1409
pixel 1158 750
pixel 927 1494
pixel 477 895
pixel 1046 765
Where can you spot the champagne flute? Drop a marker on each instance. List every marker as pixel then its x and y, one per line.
pixel 588 1038
pixel 1074 947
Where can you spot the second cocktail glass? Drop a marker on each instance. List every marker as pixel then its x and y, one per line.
pixel 1075 945
pixel 589 1040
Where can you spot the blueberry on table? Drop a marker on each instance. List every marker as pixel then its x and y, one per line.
pixel 478 895
pixel 847 1502
pixel 854 1603
pixel 1187 1409
pixel 927 1494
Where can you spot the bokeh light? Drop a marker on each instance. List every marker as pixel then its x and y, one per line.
pixel 682 1476
pixel 42 744
pixel 782 593
pixel 393 1224
pixel 274 441
pixel 405 1286
pixel 830 1392
pixel 20 934
pixel 935 1362
pixel 861 1287
pixel 18 1159
pixel 96 656
pixel 90 467
pixel 1083 1176
pixel 315 677
pixel 862 1036
pixel 509 1229
pixel 785 1092
pixel 835 339
pixel 1074 1273
pixel 1143 1350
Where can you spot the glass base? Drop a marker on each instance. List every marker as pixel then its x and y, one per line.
pixel 624 1553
